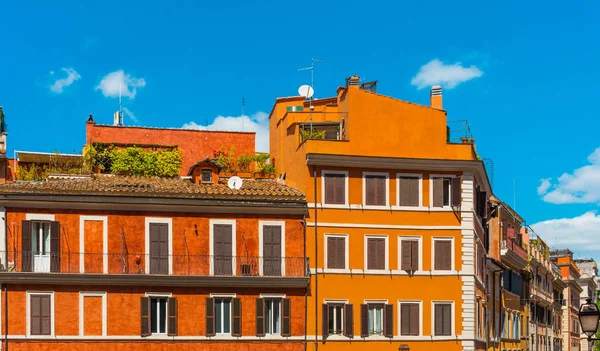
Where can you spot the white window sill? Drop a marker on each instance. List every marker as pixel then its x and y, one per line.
pixel 376 207
pixel 335 270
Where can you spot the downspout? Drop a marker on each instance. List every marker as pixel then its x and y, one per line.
pixel 316 261
pixel 6 316
pixel 307 266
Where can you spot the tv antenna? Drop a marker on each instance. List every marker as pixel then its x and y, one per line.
pixel 308 91
pixel 311 68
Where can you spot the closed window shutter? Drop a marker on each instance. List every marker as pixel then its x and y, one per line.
pixel 438 255
pixel 210 316
pixel 286 321
pixel 340 189
pixel 35 315
pixel 145 316
pixel 380 253
pixel 370 190
pixel 236 329
pixel 381 197
pixel 325 321
pixel 413 192
pixel 375 190
pixel 364 320
pixel 456 196
pixel 439 320
pixel 438 192
pixel 260 317
pixel 447 320
pixel 406 264
pixel 371 253
pixel 349 321
pixel 414 319
pixel 388 321
pixel 404 319
pixel 329 189
pixel 55 247
pixel 404 191
pixel 375 253
pixel 172 322
pixel 340 253
pixel 46 314
pixel 26 247
pixel 447 250
pixel 414 255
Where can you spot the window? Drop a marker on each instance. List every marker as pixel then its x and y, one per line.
pixel 443 319
pixel 376 319
pixel 273 316
pixel 40 314
pixel 336 252
pixel 442 254
pixel 40 246
pixel 223 316
pixel 409 318
pixel 446 191
pixel 409 190
pixel 334 187
pixel 338 319
pixel 409 253
pixel 207 176
pixel 335 318
pixel 222 235
pixel 375 189
pixel 158 315
pixel 376 255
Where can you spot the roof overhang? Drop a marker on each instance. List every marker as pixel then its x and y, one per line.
pixel 474 166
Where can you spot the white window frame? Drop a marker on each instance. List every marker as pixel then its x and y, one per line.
pixel 28 312
pixel 366 253
pixel 211 230
pixel 346 268
pixel 431 177
pixel 158 220
pixel 261 225
pixel 222 297
pixel 274 297
pixel 452 258
pixel 419 239
pixel 82 296
pixel 409 175
pixel 158 295
pixel 104 220
pixel 378 302
pixel 400 302
pixel 387 190
pixel 343 303
pixel 452 319
pixel 323 204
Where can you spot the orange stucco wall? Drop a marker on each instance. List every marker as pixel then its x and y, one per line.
pixel 159 346
pixel 195 145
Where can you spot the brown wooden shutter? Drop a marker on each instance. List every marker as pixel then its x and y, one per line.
pixel 27 255
pixel 260 317
pixel 404 185
pixel 406 263
pixel 236 329
pixel 438 255
pixel 438 192
pixel 364 320
pixel 286 320
pixel 447 257
pixel 413 192
pixel 331 252
pixel 329 189
pixel 35 314
pixel 55 247
pixel 340 253
pixel 414 255
pixel 456 193
pixel 414 319
pixel 340 189
pixel 380 191
pixel 210 316
pixel 371 253
pixel 349 321
pixel 145 316
pixel 388 321
pixel 439 320
pixel 380 253
pixel 370 190
pixel 447 320
pixel 405 319
pixel 46 314
pixel 325 321
pixel 172 316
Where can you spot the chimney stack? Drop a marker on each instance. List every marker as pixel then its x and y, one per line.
pixel 353 81
pixel 435 97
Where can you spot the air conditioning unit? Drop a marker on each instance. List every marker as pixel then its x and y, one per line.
pixel 295 108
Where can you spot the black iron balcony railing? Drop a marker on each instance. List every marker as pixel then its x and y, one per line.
pixel 177 265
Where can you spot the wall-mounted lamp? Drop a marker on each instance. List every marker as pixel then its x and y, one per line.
pixel 403 347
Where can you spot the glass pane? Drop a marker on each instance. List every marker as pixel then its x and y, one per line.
pixel 163 315
pixel 218 316
pixel 276 322
pixel 153 316
pixel 371 318
pixel 46 235
pixel 338 319
pixel 268 316
pixel 226 316
pixel 331 320
pixel 35 229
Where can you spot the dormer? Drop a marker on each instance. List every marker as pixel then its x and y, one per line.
pixel 205 171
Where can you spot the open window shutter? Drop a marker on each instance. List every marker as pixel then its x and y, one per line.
pixel 260 317
pixel 236 329
pixel 364 321
pixel 456 196
pixel 325 321
pixel 349 321
pixel 484 209
pixel 413 192
pixel 438 192
pixel 439 320
pixel 329 189
pixel 54 247
pixel 414 319
pixel 404 319
pixel 340 189
pixel 210 316
pixel 404 191
pixel 406 264
pixel 414 255
pixel 145 316
pixel 26 253
pixel 172 322
pixel 388 321
pixel 286 321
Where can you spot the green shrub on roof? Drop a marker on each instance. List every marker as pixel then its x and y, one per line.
pixel 137 161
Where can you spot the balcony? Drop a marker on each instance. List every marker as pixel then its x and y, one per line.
pixel 331 126
pixel 133 269
pixel 513 253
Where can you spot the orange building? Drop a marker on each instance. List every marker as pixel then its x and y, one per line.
pixel 571 330
pixel 140 263
pixel 396 233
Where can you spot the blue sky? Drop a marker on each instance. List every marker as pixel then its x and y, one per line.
pixel 524 75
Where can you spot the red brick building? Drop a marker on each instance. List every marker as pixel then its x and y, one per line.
pixel 137 263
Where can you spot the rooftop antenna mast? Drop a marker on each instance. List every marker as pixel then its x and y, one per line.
pixel 243 104
pixel 310 92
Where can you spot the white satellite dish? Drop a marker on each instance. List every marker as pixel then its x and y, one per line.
pixel 306 91
pixel 235 182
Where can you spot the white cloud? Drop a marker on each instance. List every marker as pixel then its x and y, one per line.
pixel 62 83
pixel 579 234
pixel 581 186
pixel 130 114
pixel 259 123
pixel 544 186
pixel 118 81
pixel 436 72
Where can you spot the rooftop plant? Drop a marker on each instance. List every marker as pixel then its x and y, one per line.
pixel 133 160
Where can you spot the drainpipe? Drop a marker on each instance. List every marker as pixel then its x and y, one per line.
pixel 6 316
pixel 305 289
pixel 316 262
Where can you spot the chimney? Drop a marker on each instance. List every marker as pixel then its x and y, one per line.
pixel 435 97
pixel 352 81
pixel 118 119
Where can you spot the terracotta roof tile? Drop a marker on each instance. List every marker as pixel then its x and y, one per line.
pixel 113 185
